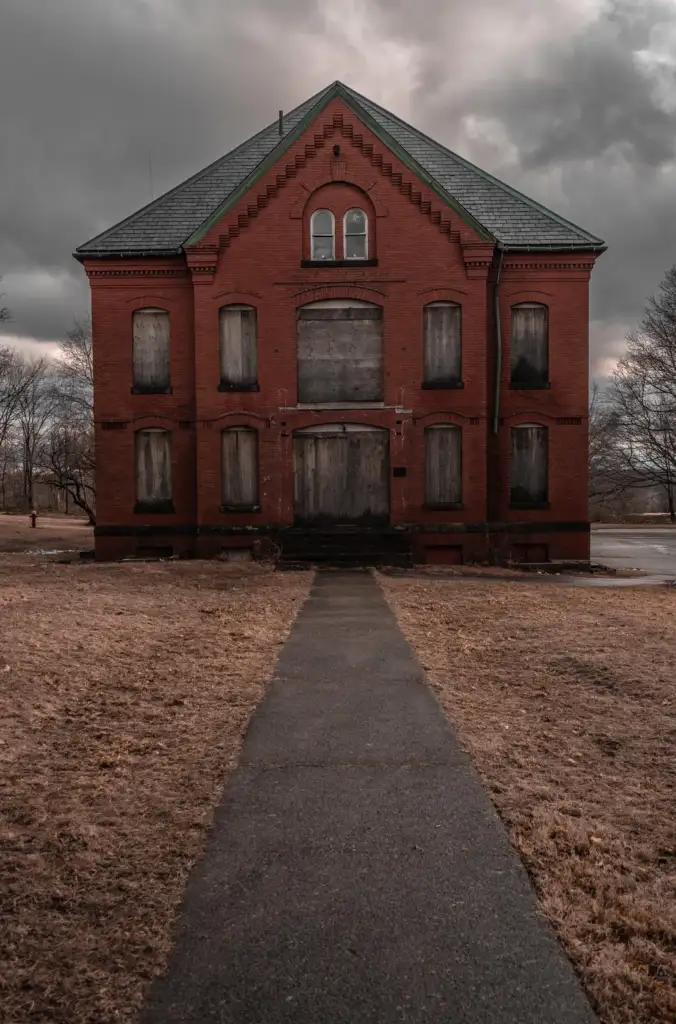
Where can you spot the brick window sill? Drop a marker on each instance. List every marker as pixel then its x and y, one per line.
pixel 154 508
pixel 451 385
pixel 448 507
pixel 240 508
pixel 336 264
pixel 139 390
pixel 524 505
pixel 525 386
pixel 223 386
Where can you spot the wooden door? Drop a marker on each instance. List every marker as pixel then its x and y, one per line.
pixel 341 474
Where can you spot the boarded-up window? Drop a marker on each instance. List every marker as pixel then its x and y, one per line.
pixel 153 469
pixel 443 465
pixel 239 467
pixel 528 476
pixel 239 347
pixel 151 350
pixel 340 354
pixel 442 344
pixel 529 360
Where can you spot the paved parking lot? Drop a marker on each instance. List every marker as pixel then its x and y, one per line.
pixel 650 548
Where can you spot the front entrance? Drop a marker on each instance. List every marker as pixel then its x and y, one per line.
pixel 341 474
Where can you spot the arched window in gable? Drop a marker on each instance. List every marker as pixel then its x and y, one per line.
pixel 322 235
pixel 355 235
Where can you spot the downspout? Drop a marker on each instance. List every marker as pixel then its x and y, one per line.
pixel 498 342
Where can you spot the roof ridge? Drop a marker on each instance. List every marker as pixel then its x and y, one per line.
pixel 313 100
pixel 486 175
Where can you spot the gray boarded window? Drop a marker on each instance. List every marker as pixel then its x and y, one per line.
pixel 151 350
pixel 239 347
pixel 340 352
pixel 529 465
pixel 153 468
pixel 239 467
pixel 443 465
pixel 529 356
pixel 442 344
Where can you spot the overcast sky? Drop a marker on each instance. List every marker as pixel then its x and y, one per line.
pixel 571 101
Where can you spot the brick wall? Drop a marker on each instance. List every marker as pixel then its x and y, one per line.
pixel 254 254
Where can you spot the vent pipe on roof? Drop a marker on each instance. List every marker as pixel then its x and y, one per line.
pixel 281 123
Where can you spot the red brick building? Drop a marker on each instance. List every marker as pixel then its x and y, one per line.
pixel 342 336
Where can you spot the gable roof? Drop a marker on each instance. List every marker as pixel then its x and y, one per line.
pixel 498 211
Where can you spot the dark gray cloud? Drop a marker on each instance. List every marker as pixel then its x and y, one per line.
pixel 572 101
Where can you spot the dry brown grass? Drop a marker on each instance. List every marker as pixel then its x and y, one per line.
pixel 124 692
pixel 62 533
pixel 566 700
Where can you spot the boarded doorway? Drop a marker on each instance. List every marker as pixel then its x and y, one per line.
pixel 341 474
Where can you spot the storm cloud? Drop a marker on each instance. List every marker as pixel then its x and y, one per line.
pixel 104 105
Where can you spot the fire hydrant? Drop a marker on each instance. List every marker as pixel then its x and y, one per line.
pixel 34 519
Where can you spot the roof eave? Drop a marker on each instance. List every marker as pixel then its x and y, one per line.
pixel 597 247
pixel 114 254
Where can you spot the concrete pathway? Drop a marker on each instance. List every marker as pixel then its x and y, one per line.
pixel 651 548
pixel 357 871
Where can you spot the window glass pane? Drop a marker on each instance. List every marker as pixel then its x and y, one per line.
pixel 355 247
pixel 322 223
pixel 355 222
pixel 322 248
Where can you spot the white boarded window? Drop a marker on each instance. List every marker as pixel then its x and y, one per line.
pixel 529 465
pixel 239 468
pixel 443 465
pixel 355 237
pixel 529 345
pixel 151 350
pixel 442 344
pixel 239 347
pixel 153 469
pixel 322 235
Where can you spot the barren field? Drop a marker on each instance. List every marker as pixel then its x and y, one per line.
pixel 60 533
pixel 124 692
pixel 566 700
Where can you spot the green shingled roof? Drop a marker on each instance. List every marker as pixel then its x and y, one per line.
pixel 496 210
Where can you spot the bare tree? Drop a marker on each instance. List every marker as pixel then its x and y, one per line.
pixel 34 416
pixel 642 396
pixel 75 366
pixel 4 312
pixel 69 454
